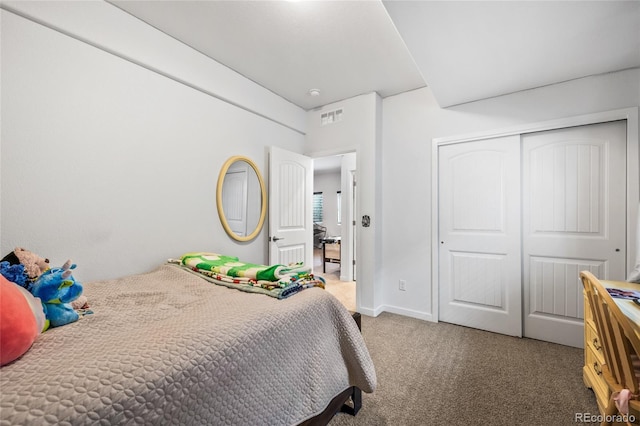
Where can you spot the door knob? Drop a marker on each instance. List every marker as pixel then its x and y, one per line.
pixel 274 239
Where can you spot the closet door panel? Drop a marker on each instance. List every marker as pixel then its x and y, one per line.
pixel 479 231
pixel 573 217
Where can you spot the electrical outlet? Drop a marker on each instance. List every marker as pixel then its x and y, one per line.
pixel 402 285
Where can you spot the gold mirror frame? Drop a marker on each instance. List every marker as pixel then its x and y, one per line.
pixel 263 204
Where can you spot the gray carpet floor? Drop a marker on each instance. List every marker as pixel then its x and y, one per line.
pixel 443 374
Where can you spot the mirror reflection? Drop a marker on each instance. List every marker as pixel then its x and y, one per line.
pixel 241 198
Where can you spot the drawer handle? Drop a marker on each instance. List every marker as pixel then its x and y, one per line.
pixel 597 369
pixel 596 344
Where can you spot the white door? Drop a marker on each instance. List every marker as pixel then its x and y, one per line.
pixel 479 231
pixel 573 218
pixel 290 208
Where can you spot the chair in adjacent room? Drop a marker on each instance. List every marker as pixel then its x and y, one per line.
pixel 319 232
pixel 620 346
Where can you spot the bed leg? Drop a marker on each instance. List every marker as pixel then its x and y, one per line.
pixel 356 400
pixel 356 393
pixel 356 397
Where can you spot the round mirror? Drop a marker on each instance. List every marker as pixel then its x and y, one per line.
pixel 241 198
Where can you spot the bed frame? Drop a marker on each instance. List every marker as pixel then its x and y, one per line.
pixel 339 404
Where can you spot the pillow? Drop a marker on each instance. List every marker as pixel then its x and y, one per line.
pixel 20 318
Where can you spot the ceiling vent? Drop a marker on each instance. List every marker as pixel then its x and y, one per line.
pixel 331 117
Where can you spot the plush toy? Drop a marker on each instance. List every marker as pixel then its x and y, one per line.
pixel 57 289
pixel 33 265
pixel 14 273
pixel 21 320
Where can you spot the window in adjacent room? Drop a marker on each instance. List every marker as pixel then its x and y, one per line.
pixel 318 207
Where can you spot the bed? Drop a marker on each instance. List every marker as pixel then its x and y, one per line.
pixel 168 347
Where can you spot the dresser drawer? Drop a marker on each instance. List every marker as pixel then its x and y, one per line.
pixel 592 340
pixel 593 373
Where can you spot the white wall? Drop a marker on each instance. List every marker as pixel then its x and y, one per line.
pixel 329 184
pixel 412 120
pixel 359 132
pixel 113 164
pixel 107 27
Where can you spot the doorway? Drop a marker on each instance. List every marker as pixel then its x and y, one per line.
pixel 334 255
pixel 519 216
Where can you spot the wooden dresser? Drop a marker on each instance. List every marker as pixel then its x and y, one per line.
pixel 593 359
pixel 593 356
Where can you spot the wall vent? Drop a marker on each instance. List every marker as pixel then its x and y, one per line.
pixel 331 117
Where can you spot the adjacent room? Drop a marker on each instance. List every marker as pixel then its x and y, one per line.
pixel 418 210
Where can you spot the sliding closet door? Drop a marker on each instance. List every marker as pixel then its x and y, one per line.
pixel 479 232
pixel 573 219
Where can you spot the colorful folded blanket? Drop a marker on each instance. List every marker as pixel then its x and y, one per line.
pixel 231 266
pixel 277 281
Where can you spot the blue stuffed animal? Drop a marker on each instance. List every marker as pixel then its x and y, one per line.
pixel 14 273
pixel 57 288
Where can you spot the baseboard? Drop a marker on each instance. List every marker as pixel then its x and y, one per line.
pixel 408 313
pixel 396 310
pixel 371 312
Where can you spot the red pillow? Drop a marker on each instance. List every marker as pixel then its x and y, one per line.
pixel 18 325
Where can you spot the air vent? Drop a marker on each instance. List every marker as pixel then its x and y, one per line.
pixel 331 117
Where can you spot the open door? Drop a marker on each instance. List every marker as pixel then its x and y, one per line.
pixel 290 208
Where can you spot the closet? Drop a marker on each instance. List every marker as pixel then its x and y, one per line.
pixel 519 216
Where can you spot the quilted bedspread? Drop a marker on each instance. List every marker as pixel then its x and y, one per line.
pixel 168 347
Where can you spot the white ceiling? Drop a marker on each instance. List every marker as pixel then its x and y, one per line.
pixel 474 50
pixel 341 48
pixel 464 50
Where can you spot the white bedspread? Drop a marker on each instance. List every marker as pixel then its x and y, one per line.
pixel 168 347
